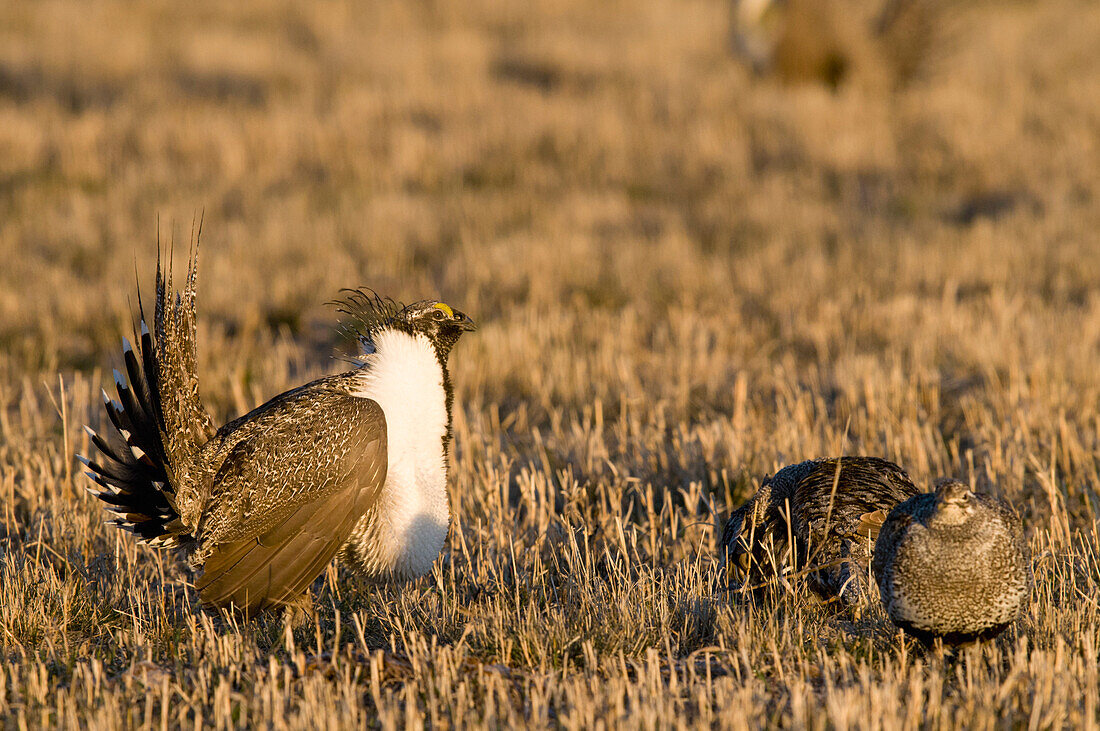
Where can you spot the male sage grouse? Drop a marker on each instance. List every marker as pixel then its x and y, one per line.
pixel 353 463
pixel 820 517
pixel 952 564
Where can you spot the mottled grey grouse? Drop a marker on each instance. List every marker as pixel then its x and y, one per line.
pixel 952 564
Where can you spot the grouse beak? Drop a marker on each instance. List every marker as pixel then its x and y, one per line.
pixel 466 323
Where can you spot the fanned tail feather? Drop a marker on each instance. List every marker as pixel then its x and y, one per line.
pixel 131 473
pixel 149 456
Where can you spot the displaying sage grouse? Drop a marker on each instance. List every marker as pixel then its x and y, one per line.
pixel 952 564
pixel 831 509
pixel 352 463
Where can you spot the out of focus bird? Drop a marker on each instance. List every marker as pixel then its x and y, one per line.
pixel 952 565
pixel 352 463
pixel 834 41
pixel 820 518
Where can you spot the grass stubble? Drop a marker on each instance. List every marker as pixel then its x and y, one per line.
pixel 684 279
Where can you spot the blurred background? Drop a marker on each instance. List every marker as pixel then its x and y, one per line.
pixel 639 200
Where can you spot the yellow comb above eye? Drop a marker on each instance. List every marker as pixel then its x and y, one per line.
pixel 446 309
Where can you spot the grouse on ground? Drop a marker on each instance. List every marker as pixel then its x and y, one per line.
pixel 952 565
pixel 353 463
pixel 819 518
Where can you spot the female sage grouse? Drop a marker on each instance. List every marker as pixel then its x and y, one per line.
pixel 952 564
pixel 830 509
pixel 352 463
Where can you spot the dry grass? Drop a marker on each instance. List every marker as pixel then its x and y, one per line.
pixel 685 279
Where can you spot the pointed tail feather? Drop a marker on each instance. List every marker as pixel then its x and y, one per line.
pixel 147 470
pixel 186 422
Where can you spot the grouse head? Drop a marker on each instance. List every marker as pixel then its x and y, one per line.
pixel 954 503
pixel 439 322
pixel 370 314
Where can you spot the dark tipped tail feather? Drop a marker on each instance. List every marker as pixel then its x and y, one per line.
pixel 132 469
pixel 157 424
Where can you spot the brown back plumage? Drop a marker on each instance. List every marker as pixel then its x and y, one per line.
pixel 274 523
pixel 820 515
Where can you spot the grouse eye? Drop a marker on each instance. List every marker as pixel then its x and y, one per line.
pixel 438 314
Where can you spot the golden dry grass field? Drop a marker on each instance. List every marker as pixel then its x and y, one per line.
pixel 685 278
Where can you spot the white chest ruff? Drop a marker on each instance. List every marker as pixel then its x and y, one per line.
pixel 404 533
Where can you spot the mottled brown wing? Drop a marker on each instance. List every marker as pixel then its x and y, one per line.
pixel 277 547
pixel 863 486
